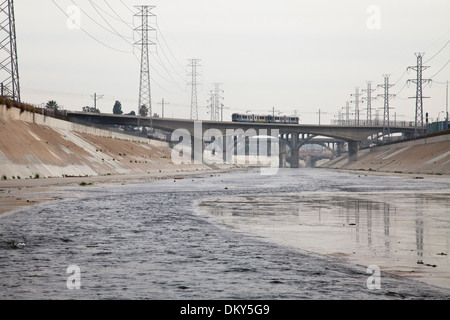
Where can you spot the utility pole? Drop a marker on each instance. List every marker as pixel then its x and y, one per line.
pixel 144 87
pixel 386 96
pixel 273 112
pixel 95 97
pixel 194 65
pixel 369 91
pixel 419 125
pixel 320 113
pixel 446 108
pixel 163 104
pixel 9 66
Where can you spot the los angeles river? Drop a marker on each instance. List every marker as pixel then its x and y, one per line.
pixel 298 234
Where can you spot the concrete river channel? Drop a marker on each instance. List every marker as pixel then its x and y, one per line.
pixel 297 234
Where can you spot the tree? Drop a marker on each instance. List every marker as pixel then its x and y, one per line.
pixel 132 113
pixel 52 104
pixel 143 111
pixel 90 109
pixel 117 109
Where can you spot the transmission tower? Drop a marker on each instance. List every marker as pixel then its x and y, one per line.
pixel 9 67
pixel 386 96
pixel 194 65
pixel 347 113
pixel 216 105
pixel 144 87
pixel 419 126
pixel 369 91
pixel 356 101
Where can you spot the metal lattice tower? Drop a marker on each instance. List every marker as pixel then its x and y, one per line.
pixel 419 125
pixel 9 67
pixel 216 106
pixel 356 101
pixel 194 65
pixel 369 91
pixel 144 87
pixel 347 113
pixel 386 96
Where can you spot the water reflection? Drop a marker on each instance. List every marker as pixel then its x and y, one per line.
pixel 391 230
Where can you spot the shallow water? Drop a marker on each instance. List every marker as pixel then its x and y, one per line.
pixel 161 240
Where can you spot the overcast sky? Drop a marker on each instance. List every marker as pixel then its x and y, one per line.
pixel 294 56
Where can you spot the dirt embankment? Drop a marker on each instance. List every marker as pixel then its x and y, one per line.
pixel 424 156
pixel 32 146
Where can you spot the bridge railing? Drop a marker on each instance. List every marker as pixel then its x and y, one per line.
pixel 373 123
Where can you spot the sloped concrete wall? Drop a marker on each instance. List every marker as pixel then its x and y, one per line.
pixel 428 155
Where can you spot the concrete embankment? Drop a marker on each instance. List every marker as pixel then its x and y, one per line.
pixel 426 156
pixel 35 146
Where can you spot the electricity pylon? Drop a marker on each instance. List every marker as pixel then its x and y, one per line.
pixel 144 85
pixel 356 101
pixel 419 126
pixel 386 96
pixel 369 98
pixel 9 67
pixel 216 105
pixel 194 65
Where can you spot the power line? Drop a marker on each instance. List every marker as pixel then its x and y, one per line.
pixel 115 12
pixel 162 37
pixel 97 23
pixel 176 72
pixel 168 72
pixel 114 30
pixel 438 52
pixel 127 6
pixel 88 34
pixel 440 70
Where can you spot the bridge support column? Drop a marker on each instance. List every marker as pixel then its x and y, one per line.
pixel 282 156
pixel 198 148
pixel 309 162
pixel 295 146
pixel 352 151
pixel 228 149
pixel 340 148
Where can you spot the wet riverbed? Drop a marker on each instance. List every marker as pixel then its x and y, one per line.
pixel 300 234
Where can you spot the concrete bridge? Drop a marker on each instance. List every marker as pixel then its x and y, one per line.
pixel 292 135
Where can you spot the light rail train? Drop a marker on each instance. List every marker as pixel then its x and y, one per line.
pixel 237 117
